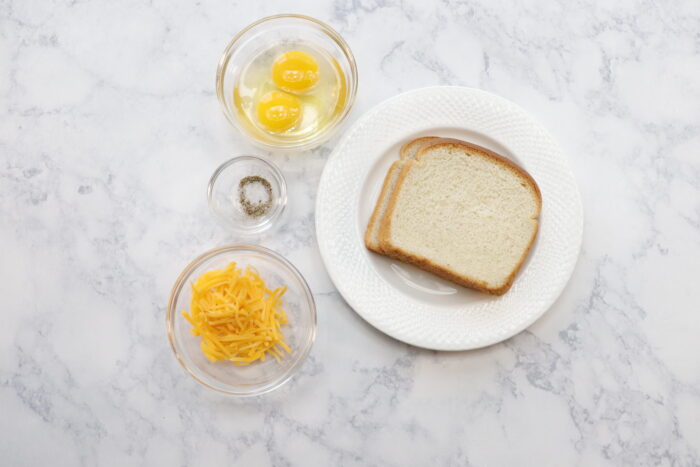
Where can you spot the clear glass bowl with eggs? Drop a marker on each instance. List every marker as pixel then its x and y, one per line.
pixel 287 82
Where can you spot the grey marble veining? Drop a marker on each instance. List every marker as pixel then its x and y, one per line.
pixel 109 131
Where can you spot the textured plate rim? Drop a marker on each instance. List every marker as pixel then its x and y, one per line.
pixel 575 207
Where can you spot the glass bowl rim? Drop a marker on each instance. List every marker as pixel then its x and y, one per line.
pixel 181 282
pixel 281 181
pixel 352 82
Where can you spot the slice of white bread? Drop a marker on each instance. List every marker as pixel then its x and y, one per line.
pixel 463 213
pixel 408 152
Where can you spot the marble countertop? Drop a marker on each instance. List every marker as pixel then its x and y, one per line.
pixel 110 129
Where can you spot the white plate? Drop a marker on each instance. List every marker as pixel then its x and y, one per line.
pixel 407 303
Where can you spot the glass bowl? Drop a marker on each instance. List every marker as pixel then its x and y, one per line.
pixel 289 30
pixel 299 333
pixel 247 194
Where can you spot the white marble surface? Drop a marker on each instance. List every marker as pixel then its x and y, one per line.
pixel 109 130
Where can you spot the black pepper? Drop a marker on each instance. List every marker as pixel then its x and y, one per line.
pixel 257 207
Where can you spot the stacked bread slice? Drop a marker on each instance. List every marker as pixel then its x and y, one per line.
pixel 457 210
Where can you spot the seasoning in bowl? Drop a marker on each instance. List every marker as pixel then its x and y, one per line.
pixel 247 194
pixel 238 318
pixel 255 195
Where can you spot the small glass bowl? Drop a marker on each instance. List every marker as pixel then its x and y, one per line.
pixel 262 376
pixel 270 31
pixel 224 194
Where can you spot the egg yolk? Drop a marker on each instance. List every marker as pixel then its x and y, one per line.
pixel 295 71
pixel 279 111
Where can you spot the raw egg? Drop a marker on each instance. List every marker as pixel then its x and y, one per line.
pixel 295 71
pixel 279 111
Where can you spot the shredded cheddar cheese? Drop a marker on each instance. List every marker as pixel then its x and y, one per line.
pixel 237 316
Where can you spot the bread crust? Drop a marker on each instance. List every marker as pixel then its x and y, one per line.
pixel 418 141
pixel 423 263
pixel 375 214
pixel 425 142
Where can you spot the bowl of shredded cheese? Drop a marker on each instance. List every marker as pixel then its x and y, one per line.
pixel 241 320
